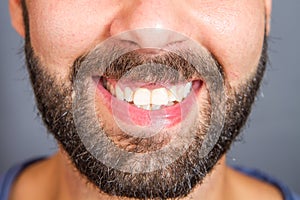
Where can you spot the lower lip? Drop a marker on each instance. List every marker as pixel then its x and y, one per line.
pixel 132 115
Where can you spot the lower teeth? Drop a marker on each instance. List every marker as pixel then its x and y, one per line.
pixel 150 107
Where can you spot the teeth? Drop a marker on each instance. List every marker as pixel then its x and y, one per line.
pixel 173 94
pixel 170 103
pixel 155 107
pixel 187 89
pixel 159 96
pixel 146 107
pixel 180 93
pixel 119 93
pixel 151 99
pixel 142 96
pixel 128 94
pixel 110 87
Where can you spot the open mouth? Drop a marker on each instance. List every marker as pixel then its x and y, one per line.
pixel 143 104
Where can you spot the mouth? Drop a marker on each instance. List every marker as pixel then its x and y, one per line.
pixel 145 104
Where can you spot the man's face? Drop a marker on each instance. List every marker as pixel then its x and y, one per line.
pixel 64 38
pixel 233 31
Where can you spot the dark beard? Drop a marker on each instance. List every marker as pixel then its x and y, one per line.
pixel 176 180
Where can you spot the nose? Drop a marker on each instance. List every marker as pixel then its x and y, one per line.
pixel 155 23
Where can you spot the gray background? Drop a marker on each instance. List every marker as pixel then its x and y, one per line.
pixel 270 141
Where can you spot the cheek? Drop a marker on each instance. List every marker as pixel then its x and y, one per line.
pixel 234 33
pixel 245 43
pixel 241 51
pixel 61 30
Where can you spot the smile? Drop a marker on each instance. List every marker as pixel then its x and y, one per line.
pixel 143 104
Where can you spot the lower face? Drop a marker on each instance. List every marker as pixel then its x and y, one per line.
pixel 144 102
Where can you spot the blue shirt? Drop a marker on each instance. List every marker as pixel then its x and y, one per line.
pixel 8 178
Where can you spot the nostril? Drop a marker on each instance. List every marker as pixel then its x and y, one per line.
pixel 151 37
pixel 129 42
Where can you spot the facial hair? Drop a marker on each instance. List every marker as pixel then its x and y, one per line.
pixel 54 102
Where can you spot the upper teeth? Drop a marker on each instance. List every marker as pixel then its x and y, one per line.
pixel 150 99
pixel 142 97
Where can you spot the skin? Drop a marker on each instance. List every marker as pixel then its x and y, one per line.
pixel 232 30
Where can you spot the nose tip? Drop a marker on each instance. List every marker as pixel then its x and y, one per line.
pixel 152 37
pixel 149 23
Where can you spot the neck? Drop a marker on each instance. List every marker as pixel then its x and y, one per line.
pixel 72 185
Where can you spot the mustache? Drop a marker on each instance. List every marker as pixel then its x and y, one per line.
pixel 119 61
pixel 162 67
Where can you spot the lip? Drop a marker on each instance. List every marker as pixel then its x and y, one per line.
pixel 131 115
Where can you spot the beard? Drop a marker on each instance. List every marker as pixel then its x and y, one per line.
pixel 175 179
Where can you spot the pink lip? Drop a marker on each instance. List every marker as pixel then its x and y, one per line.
pixel 133 115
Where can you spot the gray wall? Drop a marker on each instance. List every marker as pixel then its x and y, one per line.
pixel 270 141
